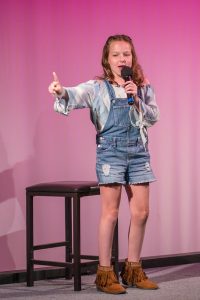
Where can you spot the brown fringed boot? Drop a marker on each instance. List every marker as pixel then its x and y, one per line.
pixel 133 276
pixel 106 281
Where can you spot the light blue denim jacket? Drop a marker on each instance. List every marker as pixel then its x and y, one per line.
pixel 93 94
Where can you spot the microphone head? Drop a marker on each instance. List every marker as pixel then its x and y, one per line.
pixel 126 72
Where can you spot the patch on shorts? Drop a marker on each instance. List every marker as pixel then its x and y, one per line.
pixel 147 166
pixel 106 169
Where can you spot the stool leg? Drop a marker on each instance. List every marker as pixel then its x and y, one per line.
pixel 29 239
pixel 68 235
pixel 76 242
pixel 115 250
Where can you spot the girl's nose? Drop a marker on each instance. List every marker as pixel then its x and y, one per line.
pixel 122 57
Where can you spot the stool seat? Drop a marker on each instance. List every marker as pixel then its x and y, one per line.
pixel 65 186
pixel 72 191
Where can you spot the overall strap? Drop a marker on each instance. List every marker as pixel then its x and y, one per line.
pixel 111 91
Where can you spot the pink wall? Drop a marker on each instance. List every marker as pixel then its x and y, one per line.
pixel 36 144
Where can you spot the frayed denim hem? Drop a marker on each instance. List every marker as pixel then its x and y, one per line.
pixel 111 183
pixel 142 181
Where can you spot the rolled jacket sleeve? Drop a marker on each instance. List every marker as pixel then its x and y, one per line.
pixel 81 96
pixel 149 106
pixel 92 94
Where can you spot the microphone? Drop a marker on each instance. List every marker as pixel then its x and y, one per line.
pixel 127 75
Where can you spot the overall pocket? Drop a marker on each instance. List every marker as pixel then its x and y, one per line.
pixel 105 146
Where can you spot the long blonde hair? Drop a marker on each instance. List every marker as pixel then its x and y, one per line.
pixel 138 76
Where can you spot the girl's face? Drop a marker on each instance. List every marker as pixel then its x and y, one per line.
pixel 119 55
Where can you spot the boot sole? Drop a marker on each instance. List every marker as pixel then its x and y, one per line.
pixel 103 291
pixel 138 287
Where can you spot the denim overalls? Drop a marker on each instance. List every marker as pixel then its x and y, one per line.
pixel 121 156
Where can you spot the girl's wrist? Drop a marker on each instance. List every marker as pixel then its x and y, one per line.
pixel 62 95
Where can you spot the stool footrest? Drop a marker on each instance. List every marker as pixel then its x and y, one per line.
pixel 51 245
pixel 92 257
pixel 51 263
pixel 62 264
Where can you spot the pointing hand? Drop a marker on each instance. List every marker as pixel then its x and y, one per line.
pixel 55 88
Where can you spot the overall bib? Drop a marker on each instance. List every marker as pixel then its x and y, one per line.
pixel 121 155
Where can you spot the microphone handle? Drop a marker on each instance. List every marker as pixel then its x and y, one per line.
pixel 129 96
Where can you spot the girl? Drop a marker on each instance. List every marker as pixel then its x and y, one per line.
pixel 122 157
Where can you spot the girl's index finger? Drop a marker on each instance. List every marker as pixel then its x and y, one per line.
pixel 55 77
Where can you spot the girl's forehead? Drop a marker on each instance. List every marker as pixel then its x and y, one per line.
pixel 119 45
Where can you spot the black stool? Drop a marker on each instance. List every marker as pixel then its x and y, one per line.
pixel 72 191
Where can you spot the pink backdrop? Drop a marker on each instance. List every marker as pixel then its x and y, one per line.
pixel 37 145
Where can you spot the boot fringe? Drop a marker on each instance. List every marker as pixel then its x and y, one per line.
pixel 106 278
pixel 132 275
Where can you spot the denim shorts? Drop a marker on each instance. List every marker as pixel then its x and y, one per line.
pixel 123 161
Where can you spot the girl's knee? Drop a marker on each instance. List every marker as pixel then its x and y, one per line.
pixel 111 215
pixel 140 217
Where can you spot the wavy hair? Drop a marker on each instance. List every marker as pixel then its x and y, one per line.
pixel 138 76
